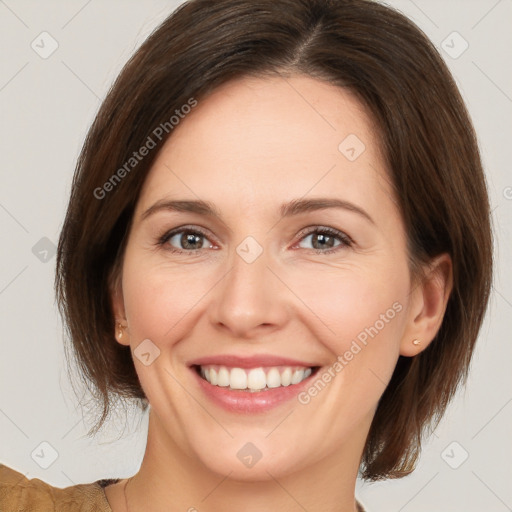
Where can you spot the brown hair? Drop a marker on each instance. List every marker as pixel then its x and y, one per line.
pixel 426 137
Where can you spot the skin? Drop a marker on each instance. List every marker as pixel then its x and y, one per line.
pixel 249 147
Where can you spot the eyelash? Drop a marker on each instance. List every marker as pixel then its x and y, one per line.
pixel 345 240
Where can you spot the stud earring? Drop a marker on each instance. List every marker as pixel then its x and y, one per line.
pixel 120 335
pixel 416 342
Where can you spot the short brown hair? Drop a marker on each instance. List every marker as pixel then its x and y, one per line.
pixel 425 134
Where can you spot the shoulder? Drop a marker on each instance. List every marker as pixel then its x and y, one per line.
pixel 17 492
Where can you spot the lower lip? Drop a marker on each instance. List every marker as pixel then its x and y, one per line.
pixel 247 401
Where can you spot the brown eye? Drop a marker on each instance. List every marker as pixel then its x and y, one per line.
pixel 327 240
pixel 189 241
pixel 184 240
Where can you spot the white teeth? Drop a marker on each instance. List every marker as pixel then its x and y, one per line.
pixel 273 378
pixel 254 379
pixel 223 377
pixel 238 379
pixel 297 376
pixel 286 377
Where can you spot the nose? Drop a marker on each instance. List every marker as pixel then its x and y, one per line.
pixel 250 300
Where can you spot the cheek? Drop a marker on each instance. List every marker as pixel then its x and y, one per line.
pixel 360 318
pixel 159 298
pixel 358 314
pixel 349 302
pixel 161 303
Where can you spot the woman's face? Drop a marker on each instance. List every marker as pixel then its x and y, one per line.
pixel 259 291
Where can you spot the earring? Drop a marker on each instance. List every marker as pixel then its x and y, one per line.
pixel 120 335
pixel 416 342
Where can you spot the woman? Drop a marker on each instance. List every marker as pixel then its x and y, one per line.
pixel 278 239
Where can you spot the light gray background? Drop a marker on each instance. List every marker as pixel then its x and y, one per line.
pixel 47 107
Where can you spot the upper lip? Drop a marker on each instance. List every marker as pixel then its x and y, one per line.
pixel 255 361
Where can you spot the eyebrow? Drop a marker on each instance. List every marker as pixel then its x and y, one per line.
pixel 294 207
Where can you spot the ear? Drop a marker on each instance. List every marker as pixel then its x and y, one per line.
pixel 120 326
pixel 429 298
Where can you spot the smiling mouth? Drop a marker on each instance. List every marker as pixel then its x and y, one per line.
pixel 254 379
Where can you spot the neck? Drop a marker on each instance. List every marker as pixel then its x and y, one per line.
pixel 170 477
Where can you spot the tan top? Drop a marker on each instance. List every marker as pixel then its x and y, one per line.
pixel 18 493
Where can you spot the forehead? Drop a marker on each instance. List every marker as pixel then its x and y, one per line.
pixel 269 137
